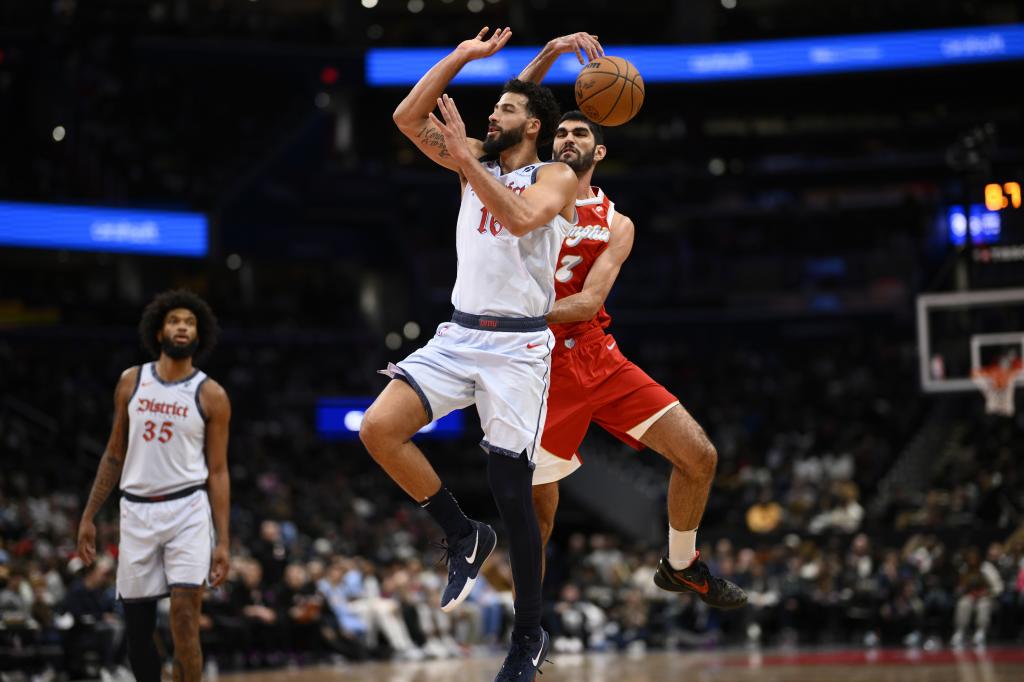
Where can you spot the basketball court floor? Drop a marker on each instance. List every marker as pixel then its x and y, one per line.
pixel 993 665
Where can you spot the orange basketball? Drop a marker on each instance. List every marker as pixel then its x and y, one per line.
pixel 609 91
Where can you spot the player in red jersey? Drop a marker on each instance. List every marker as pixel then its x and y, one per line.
pixel 592 381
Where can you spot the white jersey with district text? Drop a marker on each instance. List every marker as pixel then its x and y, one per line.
pixel 499 274
pixel 166 435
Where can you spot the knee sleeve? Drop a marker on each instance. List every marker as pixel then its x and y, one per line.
pixel 509 477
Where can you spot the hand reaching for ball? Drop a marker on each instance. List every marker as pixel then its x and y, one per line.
pixel 582 43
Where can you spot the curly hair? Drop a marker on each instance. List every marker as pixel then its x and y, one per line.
pixel 540 104
pixel 155 313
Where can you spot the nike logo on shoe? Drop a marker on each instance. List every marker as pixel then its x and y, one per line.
pixel 701 588
pixel 540 651
pixel 476 543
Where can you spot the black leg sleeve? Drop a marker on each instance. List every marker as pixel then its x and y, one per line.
pixel 140 626
pixel 511 481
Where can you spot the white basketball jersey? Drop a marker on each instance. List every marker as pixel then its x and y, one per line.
pixel 166 435
pixel 500 274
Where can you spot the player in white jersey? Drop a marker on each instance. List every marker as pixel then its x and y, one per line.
pixel 168 451
pixel 496 350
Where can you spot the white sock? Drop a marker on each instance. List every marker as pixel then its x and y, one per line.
pixel 682 547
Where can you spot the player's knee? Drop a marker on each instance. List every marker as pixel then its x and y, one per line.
pixel 509 479
pixel 372 431
pixel 185 618
pixel 698 459
pixel 707 460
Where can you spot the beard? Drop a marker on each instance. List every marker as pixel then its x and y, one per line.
pixel 579 162
pixel 504 140
pixel 177 351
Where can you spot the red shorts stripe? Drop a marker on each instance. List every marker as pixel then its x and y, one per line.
pixel 594 382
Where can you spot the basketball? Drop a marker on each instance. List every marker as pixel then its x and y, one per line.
pixel 609 91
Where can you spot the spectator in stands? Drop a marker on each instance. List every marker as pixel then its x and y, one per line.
pixel 765 516
pixel 271 552
pixel 97 625
pixel 350 629
pixel 254 603
pixel 980 583
pixel 846 513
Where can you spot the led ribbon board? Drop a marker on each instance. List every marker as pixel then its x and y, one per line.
pixel 340 418
pixel 94 228
pixel 729 61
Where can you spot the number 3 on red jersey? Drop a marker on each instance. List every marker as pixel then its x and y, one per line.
pixel 564 273
pixel 166 432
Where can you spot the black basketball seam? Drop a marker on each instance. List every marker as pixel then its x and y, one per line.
pixel 616 102
pixel 612 84
pixel 618 74
pixel 641 89
pixel 630 99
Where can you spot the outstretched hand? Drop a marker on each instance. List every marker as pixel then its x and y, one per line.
pixel 453 130
pixel 478 47
pixel 582 43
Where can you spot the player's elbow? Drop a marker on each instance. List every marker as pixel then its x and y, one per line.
pixel 404 121
pixel 519 229
pixel 590 304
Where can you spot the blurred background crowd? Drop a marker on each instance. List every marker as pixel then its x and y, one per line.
pixel 784 228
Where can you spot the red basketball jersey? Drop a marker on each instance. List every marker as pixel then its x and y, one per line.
pixel 587 240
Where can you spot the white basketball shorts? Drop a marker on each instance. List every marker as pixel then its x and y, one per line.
pixel 505 373
pixel 164 545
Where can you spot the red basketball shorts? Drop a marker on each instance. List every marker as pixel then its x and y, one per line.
pixel 592 381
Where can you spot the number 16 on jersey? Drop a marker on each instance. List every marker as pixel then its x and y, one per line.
pixel 495 227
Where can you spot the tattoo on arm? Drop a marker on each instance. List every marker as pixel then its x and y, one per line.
pixel 107 477
pixel 432 137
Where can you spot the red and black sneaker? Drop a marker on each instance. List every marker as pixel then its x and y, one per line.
pixel 716 592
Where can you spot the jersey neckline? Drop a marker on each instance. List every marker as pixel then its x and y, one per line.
pixel 190 377
pixel 593 200
pixel 532 166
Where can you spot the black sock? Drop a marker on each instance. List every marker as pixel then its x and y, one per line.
pixel 511 481
pixel 140 625
pixel 445 510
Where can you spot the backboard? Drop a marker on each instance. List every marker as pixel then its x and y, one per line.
pixel 960 332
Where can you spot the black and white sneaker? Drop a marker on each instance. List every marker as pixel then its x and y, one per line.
pixel 524 659
pixel 465 557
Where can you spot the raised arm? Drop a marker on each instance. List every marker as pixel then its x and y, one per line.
pixel 411 116
pixel 111 463
pixel 554 191
pixel 581 43
pixel 217 408
pixel 584 305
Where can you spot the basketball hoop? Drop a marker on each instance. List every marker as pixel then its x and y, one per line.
pixel 997 383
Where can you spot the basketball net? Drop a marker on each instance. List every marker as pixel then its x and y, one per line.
pixel 997 384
